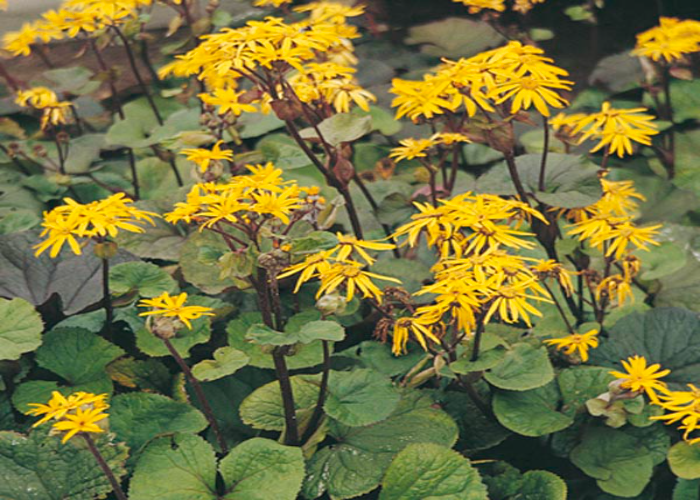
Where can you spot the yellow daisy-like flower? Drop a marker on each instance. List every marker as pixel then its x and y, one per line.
pixel 639 377
pixel 353 278
pixel 228 100
pixel 419 327
pixel 204 157
pixel 348 244
pixel 174 307
pixel 412 148
pixel 527 91
pixel 683 407
pixel 476 6
pixel 670 41
pixel 580 342
pixel 80 421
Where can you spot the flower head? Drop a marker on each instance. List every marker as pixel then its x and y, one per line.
pixel 580 342
pixel 77 413
pixel 639 377
pixel 174 307
pixel 203 157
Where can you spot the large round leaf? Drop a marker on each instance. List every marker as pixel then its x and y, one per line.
pixel 531 413
pixel 262 469
pixel 684 460
pixel 148 280
pixel 524 367
pixel 139 417
pixel 20 330
pixel 426 470
pixel 669 336
pixel 360 397
pixel 40 467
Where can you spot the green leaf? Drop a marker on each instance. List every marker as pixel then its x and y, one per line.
pixel 76 279
pixel 662 260
pixel 523 367
pixel 76 354
pixel 341 127
pixel 181 467
pixel 161 241
pixel 686 490
pixel 360 397
pixel 357 463
pixel 669 336
pixel 283 152
pixel 21 328
pixel 476 430
pixel 199 259
pixel 684 460
pixel 76 80
pixel 139 124
pixel 139 417
pixel 384 121
pixel 487 360
pixel 542 485
pixel 39 391
pixel 426 470
pixel 147 279
pixel 262 469
pixel 412 273
pixel 617 73
pixel 531 413
pixel 378 357
pixel 84 150
pixel 305 356
pixel 149 374
pixel 310 332
pixel 257 124
pixel 620 463
pixel 227 361
pixel 571 181
pixel 263 409
pixel 685 98
pixel 682 288
pixel 579 384
pixel 454 37
pixel 38 466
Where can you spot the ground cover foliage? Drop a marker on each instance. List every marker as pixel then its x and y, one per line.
pixel 317 250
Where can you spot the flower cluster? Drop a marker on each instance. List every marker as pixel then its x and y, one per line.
pixel 608 226
pixel 77 413
pixel 97 220
pixel 54 111
pixel 476 278
pixel 343 267
pixel 670 41
pixel 476 6
pixel 169 306
pixel 615 129
pixel 72 19
pixel 262 194
pixel 517 73
pixel 308 61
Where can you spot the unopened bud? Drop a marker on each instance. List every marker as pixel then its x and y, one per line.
pixel 286 109
pixel 106 250
pixel 331 304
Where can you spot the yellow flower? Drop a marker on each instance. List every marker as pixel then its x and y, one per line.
pixel 419 327
pixel 76 413
pixel 19 43
pixel 228 100
pixel 278 205
pixel 684 407
pixel 616 286
pixel 553 269
pixel 174 307
pixel 347 245
pixel 36 97
pixel 352 277
pixel 476 6
pixel 580 342
pixel 203 157
pixel 526 91
pixel 669 41
pixel 510 300
pixel 412 148
pixel 639 377
pixel 621 235
pixel 270 3
pixel 311 267
pixel 80 421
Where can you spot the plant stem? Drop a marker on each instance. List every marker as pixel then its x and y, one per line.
pixel 206 408
pixel 137 73
pixel 559 308
pixel 15 160
pixel 477 337
pixel 545 151
pixel 670 159
pixel 375 208
pixel 474 396
pixel 318 410
pixel 515 176
pixel 118 491
pixel 134 173
pixel 291 437
pixel 11 81
pixel 61 155
pixel 107 300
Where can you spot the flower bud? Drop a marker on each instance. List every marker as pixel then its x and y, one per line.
pixel 331 304
pixel 106 250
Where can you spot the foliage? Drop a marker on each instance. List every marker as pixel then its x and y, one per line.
pixel 318 250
